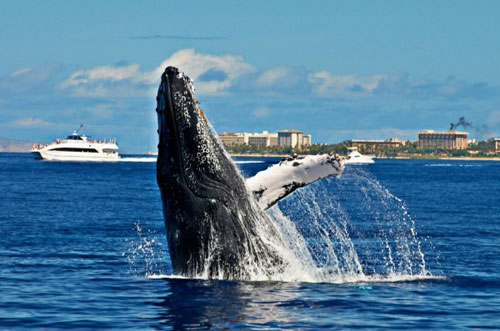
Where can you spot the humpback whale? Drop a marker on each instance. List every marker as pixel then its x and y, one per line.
pixel 216 223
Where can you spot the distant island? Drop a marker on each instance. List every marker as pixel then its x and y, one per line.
pixel 15 146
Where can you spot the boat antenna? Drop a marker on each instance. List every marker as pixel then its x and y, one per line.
pixel 81 126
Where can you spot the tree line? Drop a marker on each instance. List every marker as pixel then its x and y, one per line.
pixel 479 148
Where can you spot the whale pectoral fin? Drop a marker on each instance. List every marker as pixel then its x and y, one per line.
pixel 280 180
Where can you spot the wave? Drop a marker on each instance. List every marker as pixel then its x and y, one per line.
pixel 137 159
pixel 395 278
pixel 452 165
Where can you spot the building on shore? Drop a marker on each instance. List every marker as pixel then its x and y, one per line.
pixel 497 145
pixel 306 140
pixel 232 138
pixel 292 138
pixel 442 140
pixel 372 146
pixel 263 138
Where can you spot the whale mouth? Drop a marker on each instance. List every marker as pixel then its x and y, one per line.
pixel 186 141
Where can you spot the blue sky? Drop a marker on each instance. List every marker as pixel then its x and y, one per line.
pixel 336 69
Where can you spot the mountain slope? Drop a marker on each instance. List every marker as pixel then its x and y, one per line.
pixel 15 146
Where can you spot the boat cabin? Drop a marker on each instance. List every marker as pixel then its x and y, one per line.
pixel 76 136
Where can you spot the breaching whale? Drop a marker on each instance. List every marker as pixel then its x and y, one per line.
pixel 216 223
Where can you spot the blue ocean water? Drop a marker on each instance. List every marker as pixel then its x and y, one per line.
pixel 80 241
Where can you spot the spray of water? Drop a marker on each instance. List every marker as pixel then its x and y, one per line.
pixel 338 230
pixel 145 253
pixel 356 230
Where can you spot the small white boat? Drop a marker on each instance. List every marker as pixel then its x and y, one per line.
pixel 355 157
pixel 77 147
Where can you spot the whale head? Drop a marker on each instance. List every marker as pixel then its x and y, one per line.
pixel 189 151
pixel 205 201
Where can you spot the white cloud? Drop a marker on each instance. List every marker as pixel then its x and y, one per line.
pixel 325 84
pixel 131 81
pixel 113 74
pixel 283 80
pixel 273 76
pixel 220 74
pixel 20 72
pixel 196 65
pixel 30 122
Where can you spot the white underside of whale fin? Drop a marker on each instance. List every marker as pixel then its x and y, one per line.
pixel 281 179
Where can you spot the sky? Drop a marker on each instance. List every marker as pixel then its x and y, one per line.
pixel 335 69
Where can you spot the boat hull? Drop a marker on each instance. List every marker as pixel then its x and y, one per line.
pixel 74 156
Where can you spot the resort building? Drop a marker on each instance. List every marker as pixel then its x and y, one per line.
pixel 442 140
pixel 497 145
pixel 292 138
pixel 306 140
pixel 243 138
pixel 261 139
pixel 372 146
pixel 230 138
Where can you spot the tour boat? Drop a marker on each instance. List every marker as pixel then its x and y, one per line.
pixel 77 147
pixel 355 157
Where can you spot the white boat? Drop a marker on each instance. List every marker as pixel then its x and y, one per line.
pixel 77 147
pixel 355 157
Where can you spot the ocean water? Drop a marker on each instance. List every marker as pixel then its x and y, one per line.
pixel 82 245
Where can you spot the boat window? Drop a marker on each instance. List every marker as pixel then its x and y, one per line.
pixel 72 137
pixel 71 149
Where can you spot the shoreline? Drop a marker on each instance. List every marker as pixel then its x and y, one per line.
pixel 458 158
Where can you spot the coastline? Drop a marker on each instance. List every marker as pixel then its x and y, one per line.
pixel 458 158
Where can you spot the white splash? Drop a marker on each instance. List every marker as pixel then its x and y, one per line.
pixel 314 234
pixel 145 254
